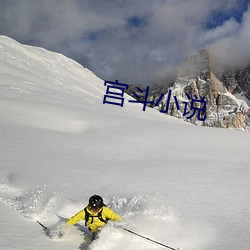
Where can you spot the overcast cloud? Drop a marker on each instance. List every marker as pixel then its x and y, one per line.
pixel 134 41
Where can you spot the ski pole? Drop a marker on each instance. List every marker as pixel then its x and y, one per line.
pixel 146 238
pixel 45 228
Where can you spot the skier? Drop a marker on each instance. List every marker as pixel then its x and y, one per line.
pixel 95 214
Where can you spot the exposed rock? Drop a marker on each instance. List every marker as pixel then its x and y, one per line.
pixel 237 81
pixel 196 80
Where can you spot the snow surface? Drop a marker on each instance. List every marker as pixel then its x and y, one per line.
pixel 182 185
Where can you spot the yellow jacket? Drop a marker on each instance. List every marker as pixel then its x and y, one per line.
pixel 94 223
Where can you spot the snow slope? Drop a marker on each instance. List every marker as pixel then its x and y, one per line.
pixel 182 185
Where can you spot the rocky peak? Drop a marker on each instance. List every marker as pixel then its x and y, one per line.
pixel 194 65
pixel 196 80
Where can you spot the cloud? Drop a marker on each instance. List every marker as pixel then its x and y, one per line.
pixel 228 28
pixel 133 41
pixel 232 50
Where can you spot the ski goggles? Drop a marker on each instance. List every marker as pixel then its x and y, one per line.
pixel 94 208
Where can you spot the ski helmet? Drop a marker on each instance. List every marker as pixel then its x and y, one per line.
pixel 95 202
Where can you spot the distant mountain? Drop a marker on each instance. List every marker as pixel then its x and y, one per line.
pixel 227 94
pixel 237 81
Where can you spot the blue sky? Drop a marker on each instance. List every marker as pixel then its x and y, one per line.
pixel 218 17
pixel 135 41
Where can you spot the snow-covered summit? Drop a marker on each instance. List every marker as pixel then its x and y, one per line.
pixel 38 76
pixel 35 68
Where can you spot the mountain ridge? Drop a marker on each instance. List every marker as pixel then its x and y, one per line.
pixel 196 77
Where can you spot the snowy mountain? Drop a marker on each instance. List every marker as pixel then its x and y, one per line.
pixel 196 79
pixel 183 185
